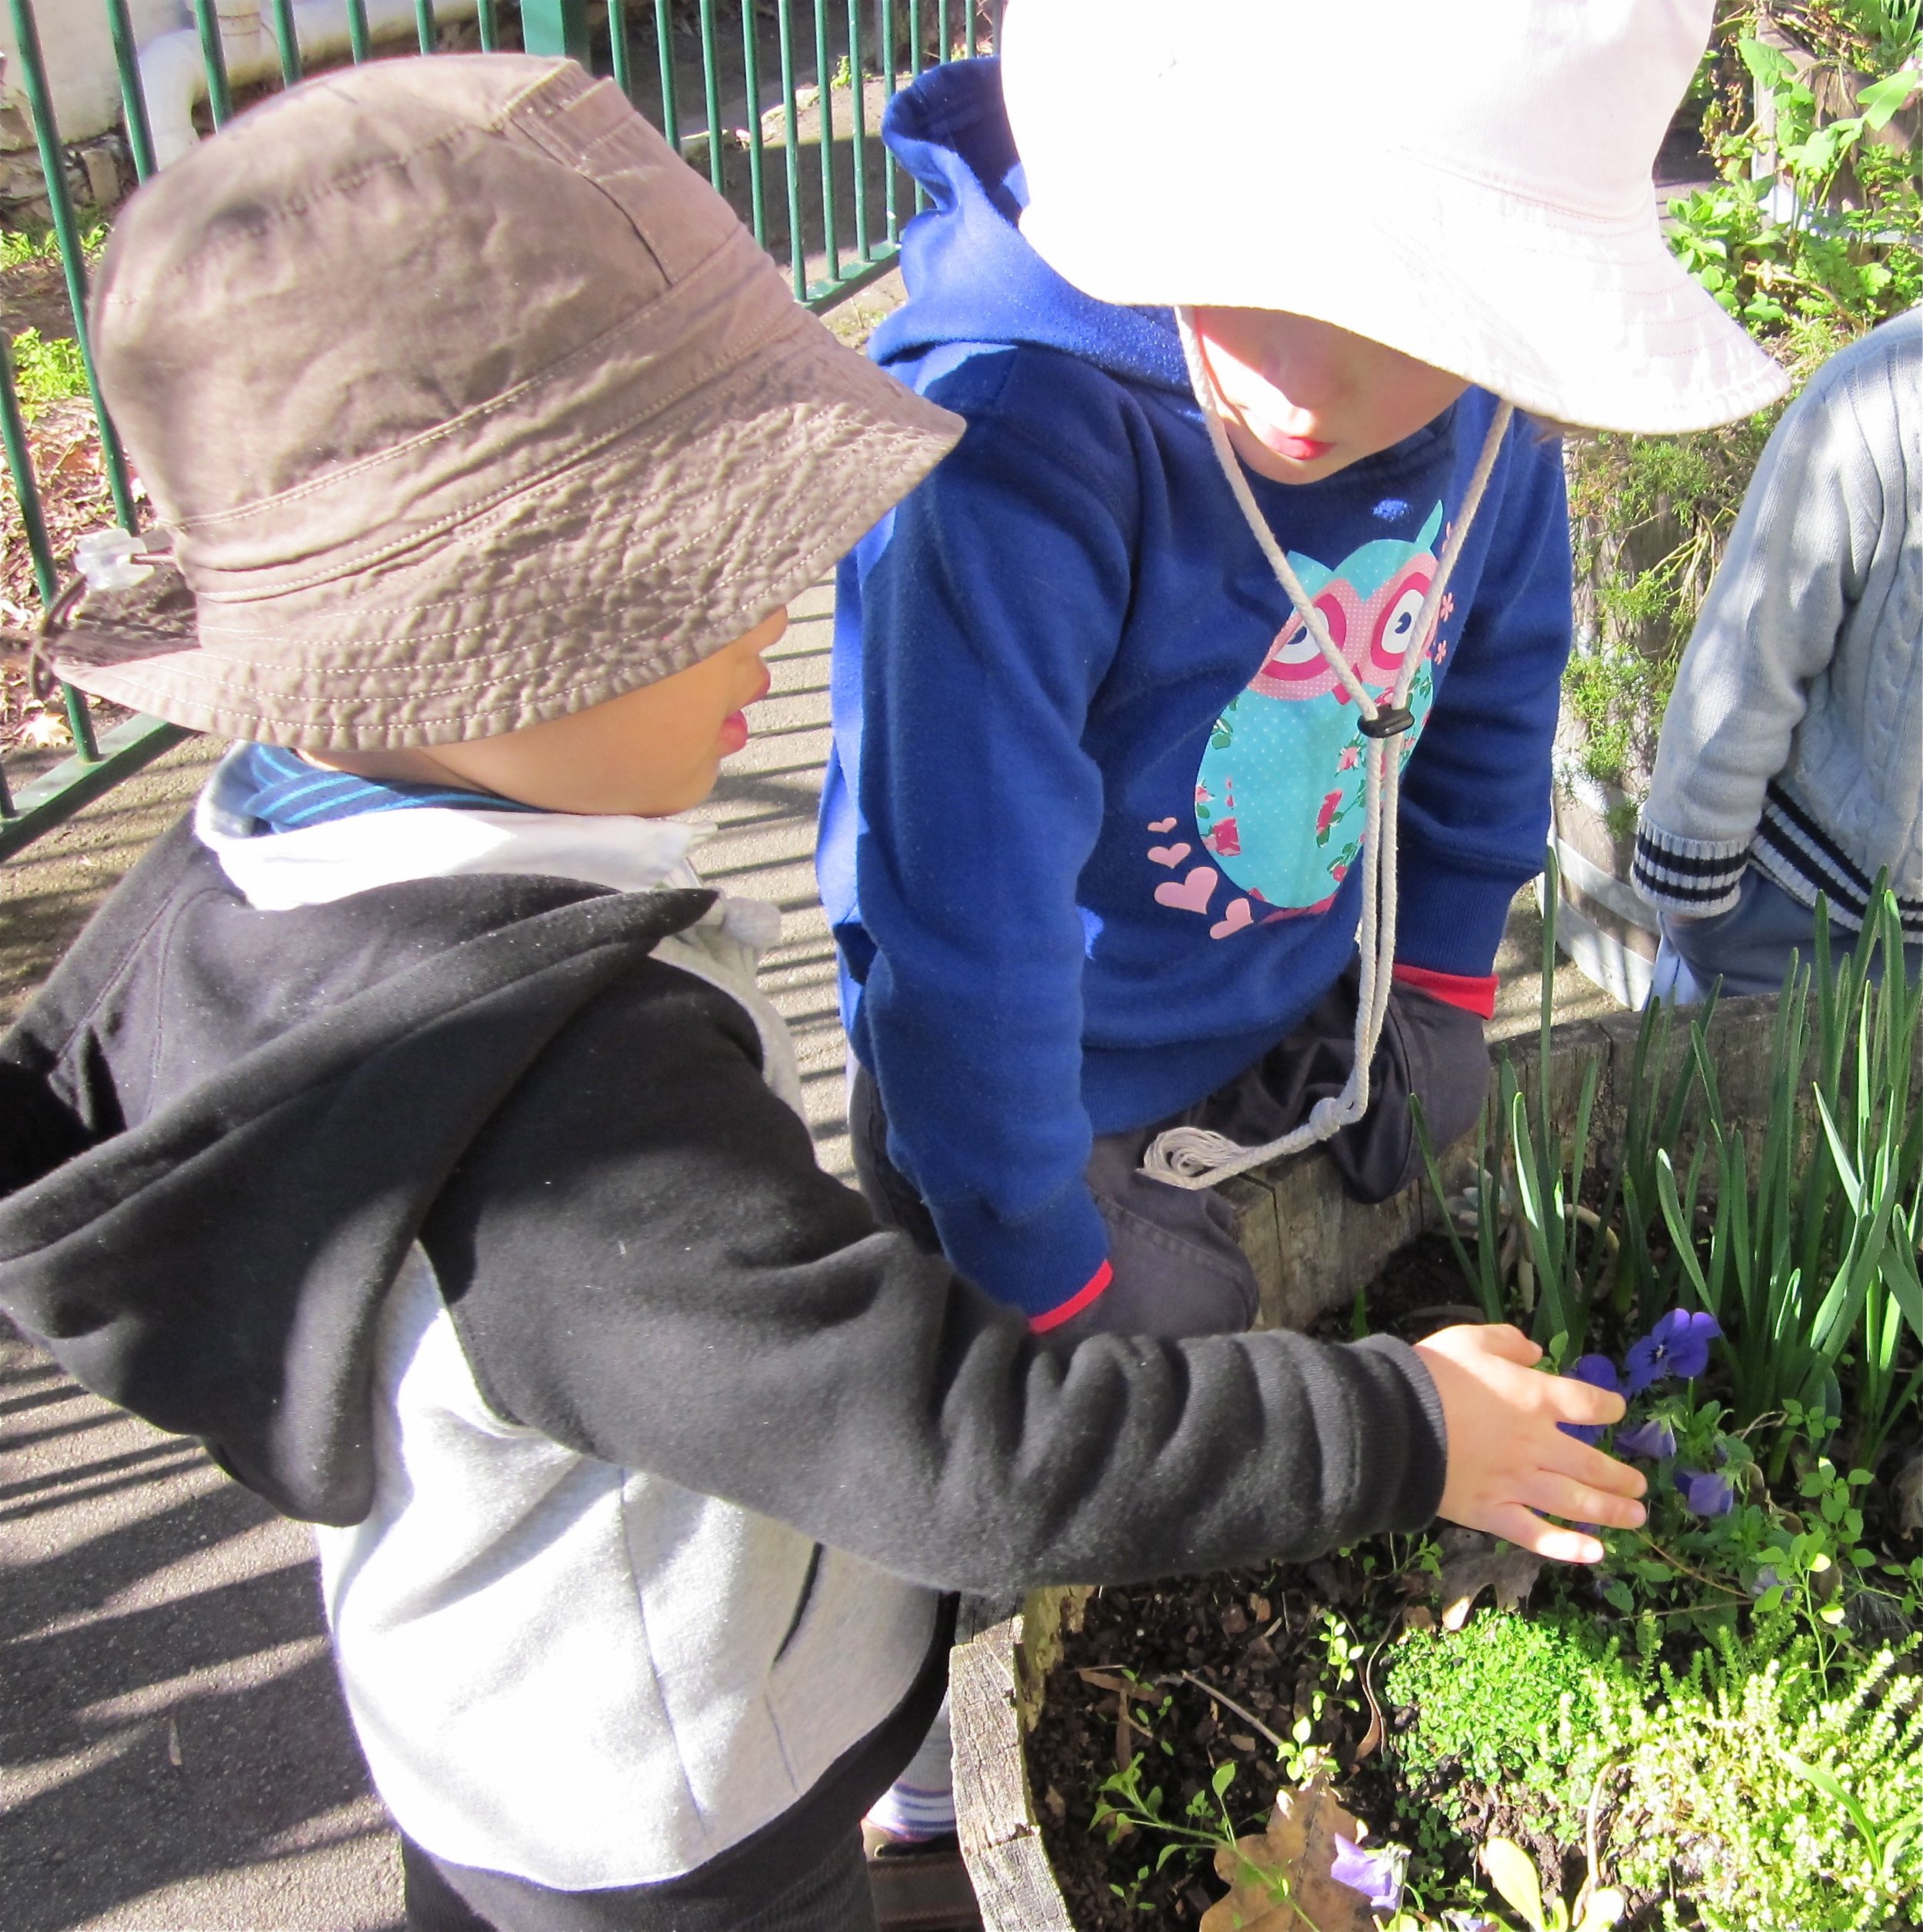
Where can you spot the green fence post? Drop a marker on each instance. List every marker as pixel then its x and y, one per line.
pixel 751 81
pixel 490 27
pixel 791 151
pixel 555 27
pixel 890 217
pixel 358 37
pixel 288 41
pixel 46 133
pixel 219 103
pixel 140 140
pixel 710 90
pixel 664 48
pixel 826 104
pixel 26 491
pixel 424 24
pixel 618 49
pixel 26 488
pixel 858 132
pixel 914 69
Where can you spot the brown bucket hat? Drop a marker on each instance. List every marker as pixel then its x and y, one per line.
pixel 465 404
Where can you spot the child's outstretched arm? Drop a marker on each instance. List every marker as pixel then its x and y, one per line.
pixel 643 1261
pixel 1510 1463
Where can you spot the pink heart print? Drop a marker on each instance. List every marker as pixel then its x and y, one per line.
pixel 1192 894
pixel 1169 855
pixel 1163 825
pixel 1237 917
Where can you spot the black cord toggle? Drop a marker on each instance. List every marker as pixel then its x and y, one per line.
pixel 1389 721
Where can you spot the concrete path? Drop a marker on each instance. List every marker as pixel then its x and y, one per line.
pixel 174 1757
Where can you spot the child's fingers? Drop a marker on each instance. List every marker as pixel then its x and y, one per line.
pixel 1583 1464
pixel 1573 1401
pixel 1504 1339
pixel 1528 1531
pixel 1555 1495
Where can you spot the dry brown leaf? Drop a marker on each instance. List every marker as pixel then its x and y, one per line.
pixel 1908 1489
pixel 1107 1680
pixel 45 730
pixel 1472 1563
pixel 1298 1848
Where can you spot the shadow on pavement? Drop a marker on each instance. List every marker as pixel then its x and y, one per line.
pixel 173 1748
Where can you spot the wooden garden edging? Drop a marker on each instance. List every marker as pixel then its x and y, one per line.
pixel 1313 1248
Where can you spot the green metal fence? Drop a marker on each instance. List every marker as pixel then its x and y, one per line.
pixel 744 87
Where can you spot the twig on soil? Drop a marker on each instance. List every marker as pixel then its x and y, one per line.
pixel 1678 1564
pixel 1222 1697
pixel 1378 1730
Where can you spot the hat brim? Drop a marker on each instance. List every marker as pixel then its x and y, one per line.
pixel 1589 323
pixel 669 539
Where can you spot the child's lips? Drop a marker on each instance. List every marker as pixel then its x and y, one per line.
pixel 1298 449
pixel 733 727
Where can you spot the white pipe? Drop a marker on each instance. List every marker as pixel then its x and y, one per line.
pixel 173 73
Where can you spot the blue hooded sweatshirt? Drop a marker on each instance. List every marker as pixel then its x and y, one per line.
pixel 1090 828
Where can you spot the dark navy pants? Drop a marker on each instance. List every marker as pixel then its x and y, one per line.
pixel 1178 1267
pixel 831 1896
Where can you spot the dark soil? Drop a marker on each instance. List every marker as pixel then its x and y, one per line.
pixel 1256 1637
pixel 1422 1289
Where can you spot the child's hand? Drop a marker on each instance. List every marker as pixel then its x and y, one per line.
pixel 1509 1464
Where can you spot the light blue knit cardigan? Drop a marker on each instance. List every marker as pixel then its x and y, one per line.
pixel 1793 741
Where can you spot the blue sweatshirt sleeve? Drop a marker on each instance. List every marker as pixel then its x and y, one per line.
pixel 1475 796
pixel 988 621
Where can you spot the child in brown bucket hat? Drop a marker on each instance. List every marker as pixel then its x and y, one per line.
pixel 408 1124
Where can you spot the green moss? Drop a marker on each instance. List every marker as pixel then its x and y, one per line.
pixel 1774 1790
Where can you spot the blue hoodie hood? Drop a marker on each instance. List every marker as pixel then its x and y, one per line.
pixel 973 278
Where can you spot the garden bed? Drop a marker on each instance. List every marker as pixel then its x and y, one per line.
pixel 1722 1726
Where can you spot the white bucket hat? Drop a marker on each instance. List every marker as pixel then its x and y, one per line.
pixel 1470 184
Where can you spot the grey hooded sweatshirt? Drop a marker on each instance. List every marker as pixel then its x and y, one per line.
pixel 468 1216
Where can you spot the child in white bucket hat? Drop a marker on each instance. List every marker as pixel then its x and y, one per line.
pixel 1239 299
pixel 1127 690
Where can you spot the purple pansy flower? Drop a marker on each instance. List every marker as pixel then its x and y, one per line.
pixel 1704 1494
pixel 1599 1372
pixel 1655 1439
pixel 1677 1345
pixel 1377 1875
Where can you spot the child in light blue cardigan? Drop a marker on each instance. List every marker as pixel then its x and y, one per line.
pixel 1790 762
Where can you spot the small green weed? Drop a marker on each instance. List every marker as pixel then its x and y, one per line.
pixel 47 370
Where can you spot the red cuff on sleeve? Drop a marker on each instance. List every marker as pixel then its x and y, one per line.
pixel 1473 992
pixel 1090 1291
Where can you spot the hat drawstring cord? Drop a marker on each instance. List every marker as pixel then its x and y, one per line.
pixel 1194 1158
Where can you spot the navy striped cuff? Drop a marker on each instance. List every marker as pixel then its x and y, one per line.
pixel 1688 875
pixel 1802 857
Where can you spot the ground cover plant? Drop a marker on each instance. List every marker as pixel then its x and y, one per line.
pixel 1720 1728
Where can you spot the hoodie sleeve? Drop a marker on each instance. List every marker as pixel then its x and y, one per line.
pixel 989 619
pixel 643 1262
pixel 1475 796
